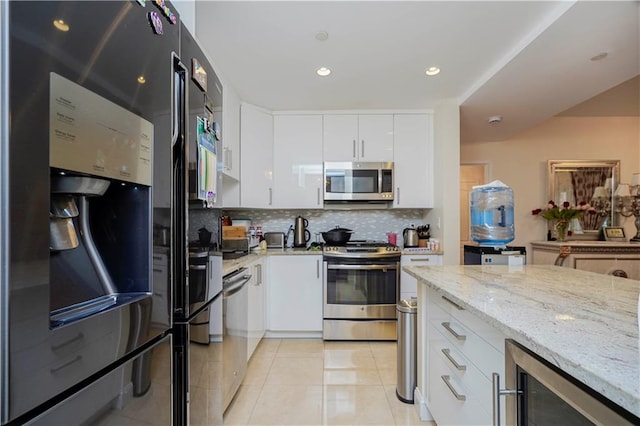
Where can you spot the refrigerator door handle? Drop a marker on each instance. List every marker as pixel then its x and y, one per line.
pixel 178 188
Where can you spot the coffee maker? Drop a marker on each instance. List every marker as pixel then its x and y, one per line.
pixel 301 234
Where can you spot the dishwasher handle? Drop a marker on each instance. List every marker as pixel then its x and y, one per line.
pixel 235 284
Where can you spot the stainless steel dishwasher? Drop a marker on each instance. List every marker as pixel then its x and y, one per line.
pixel 235 303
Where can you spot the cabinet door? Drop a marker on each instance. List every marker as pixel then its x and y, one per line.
pixel 297 180
pixel 256 311
pixel 295 293
pixel 256 138
pixel 340 137
pixel 375 137
pixel 413 160
pixel 231 134
pixel 408 284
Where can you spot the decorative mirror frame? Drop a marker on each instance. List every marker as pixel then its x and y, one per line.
pixel 556 166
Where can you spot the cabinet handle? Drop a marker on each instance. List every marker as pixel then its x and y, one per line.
pixel 354 148
pixel 447 381
pixel 270 196
pixel 458 307
pixel 447 353
pixel 318 192
pixel 66 364
pixel 259 274
pixel 495 397
pixel 413 259
pixel 230 151
pixel 55 348
pixel 398 196
pixel 317 268
pixel 447 326
pixel 362 150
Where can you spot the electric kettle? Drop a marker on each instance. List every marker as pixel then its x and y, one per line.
pixel 301 234
pixel 410 237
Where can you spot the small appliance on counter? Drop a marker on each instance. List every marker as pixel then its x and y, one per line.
pixel 277 240
pixel 410 237
pixel 482 255
pixel 301 234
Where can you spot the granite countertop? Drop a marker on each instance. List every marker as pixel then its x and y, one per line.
pixel 582 322
pixel 231 265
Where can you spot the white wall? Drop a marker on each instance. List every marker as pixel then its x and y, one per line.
pixel 447 180
pixel 521 162
pixel 187 11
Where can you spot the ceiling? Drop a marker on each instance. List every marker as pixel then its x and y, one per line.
pixel 522 60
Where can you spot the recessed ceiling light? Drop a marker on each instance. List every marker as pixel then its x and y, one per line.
pixel 61 25
pixel 322 36
pixel 599 56
pixel 323 71
pixel 432 71
pixel 494 119
pixel 141 79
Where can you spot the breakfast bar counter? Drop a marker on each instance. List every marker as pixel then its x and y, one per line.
pixel 584 323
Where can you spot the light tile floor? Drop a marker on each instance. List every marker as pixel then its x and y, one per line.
pixel 313 382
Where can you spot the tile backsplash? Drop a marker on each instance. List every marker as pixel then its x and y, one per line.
pixel 366 224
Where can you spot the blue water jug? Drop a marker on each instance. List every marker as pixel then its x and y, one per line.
pixel 492 214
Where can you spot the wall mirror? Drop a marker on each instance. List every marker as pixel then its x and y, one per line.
pixel 591 181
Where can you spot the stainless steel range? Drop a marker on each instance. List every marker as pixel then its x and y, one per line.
pixel 361 290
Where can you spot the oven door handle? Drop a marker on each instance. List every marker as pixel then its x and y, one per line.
pixel 361 267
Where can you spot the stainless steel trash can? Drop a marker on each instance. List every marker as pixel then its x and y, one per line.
pixel 407 349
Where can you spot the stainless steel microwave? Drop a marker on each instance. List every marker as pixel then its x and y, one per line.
pixel 358 181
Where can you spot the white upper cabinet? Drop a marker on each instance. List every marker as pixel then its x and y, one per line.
pixel 297 153
pixel 230 133
pixel 256 141
pixel 350 137
pixel 413 160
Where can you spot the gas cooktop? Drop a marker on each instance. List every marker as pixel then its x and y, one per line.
pixel 362 248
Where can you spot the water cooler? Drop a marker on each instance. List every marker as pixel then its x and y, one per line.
pixel 492 227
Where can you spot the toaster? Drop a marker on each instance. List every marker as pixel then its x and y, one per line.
pixel 275 240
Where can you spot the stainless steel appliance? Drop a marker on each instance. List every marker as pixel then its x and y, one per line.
pixel 539 393
pixel 79 129
pixel 205 284
pixel 235 329
pixel 358 181
pixel 361 290
pixel 301 234
pixel 481 255
pixel 197 142
pixel 410 237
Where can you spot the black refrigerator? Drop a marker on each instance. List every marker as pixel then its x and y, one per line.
pixel 93 124
pixel 197 168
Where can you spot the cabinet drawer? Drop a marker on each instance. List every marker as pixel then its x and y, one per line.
pixel 483 355
pixel 451 398
pixel 461 367
pixel 450 309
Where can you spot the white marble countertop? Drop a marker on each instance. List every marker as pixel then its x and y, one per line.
pixel 584 323
pixel 231 265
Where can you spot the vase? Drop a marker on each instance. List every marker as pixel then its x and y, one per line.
pixel 562 227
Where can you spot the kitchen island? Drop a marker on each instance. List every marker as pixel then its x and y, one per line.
pixel 584 323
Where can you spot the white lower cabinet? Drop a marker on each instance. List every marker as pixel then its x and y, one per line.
pixel 294 295
pixel 461 353
pixel 256 311
pixel 408 284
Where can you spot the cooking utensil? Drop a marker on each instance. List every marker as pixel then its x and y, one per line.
pixel 337 236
